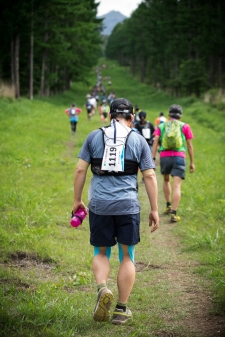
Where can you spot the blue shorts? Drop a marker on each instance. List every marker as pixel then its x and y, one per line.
pixel 175 166
pixel 107 230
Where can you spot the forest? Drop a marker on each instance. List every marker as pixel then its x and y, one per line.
pixel 47 44
pixel 49 53
pixel 174 45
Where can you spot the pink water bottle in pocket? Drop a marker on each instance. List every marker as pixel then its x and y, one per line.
pixel 78 217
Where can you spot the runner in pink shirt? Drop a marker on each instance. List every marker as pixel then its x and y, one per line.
pixel 173 161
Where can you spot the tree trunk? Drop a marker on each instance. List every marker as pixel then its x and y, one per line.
pixel 31 57
pixel 220 74
pixel 212 70
pixel 43 72
pixel 16 65
pixel 220 65
pixel 47 91
pixel 133 66
pixel 43 66
pixel 189 35
pixel 67 80
pixel 12 62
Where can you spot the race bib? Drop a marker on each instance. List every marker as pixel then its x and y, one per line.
pixel 146 133
pixel 113 158
pixel 115 139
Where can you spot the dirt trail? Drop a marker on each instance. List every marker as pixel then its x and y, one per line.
pixel 192 291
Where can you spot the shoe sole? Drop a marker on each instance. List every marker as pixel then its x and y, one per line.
pixel 102 310
pixel 117 321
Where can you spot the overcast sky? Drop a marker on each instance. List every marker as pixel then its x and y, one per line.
pixel 126 7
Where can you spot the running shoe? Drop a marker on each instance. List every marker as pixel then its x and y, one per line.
pixel 120 316
pixel 175 218
pixel 102 308
pixel 167 210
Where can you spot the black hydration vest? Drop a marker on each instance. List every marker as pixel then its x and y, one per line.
pixel 130 166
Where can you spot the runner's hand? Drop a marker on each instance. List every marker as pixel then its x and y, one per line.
pixel 192 168
pixel 79 205
pixel 154 219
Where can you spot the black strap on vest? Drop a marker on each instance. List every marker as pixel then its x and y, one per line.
pixel 130 168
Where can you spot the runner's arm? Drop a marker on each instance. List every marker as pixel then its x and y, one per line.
pixel 78 110
pixel 155 146
pixel 79 181
pixel 191 154
pixel 152 192
pixel 152 130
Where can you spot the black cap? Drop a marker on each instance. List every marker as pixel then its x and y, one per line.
pixel 121 105
pixel 142 114
pixel 161 114
pixel 74 104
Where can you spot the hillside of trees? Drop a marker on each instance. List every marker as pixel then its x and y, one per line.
pixel 46 44
pixel 174 45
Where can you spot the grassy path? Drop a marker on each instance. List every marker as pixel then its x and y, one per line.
pixel 47 288
pixel 169 299
pixel 185 297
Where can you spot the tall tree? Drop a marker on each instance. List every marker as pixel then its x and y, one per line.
pixel 48 43
pixel 31 51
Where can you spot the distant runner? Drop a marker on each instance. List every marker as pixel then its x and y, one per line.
pixel 145 128
pixel 73 113
pixel 160 119
pixel 89 108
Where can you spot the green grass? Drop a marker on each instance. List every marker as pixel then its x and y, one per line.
pixel 46 283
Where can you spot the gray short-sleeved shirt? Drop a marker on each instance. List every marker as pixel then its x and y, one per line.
pixel 116 195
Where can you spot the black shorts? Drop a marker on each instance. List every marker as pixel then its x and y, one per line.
pixel 107 230
pixel 175 166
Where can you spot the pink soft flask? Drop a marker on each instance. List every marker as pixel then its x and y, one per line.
pixel 78 217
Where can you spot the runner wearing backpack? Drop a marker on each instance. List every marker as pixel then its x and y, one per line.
pixel 105 111
pixel 160 119
pixel 171 138
pixel 73 113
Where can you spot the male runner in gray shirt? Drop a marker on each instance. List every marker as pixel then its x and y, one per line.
pixel 115 154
